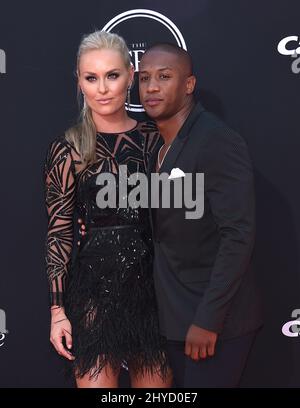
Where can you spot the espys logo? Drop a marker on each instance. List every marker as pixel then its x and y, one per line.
pixel 2 62
pixel 3 330
pixel 155 27
pixel 291 46
pixel 292 327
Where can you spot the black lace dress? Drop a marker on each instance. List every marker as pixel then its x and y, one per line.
pixel 107 290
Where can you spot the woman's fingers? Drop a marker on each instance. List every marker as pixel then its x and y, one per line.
pixel 82 226
pixel 57 333
pixel 58 344
pixel 68 337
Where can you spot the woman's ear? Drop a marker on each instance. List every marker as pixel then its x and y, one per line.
pixel 78 80
pixel 79 89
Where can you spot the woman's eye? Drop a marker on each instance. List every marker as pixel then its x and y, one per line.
pixel 143 78
pixel 90 78
pixel 113 75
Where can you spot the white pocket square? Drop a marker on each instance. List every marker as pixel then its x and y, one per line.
pixel 176 173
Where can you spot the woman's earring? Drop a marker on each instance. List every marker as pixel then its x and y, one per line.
pixel 84 102
pixel 128 97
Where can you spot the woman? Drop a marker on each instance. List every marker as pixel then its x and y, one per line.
pixel 102 302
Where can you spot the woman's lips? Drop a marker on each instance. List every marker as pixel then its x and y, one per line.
pixel 103 101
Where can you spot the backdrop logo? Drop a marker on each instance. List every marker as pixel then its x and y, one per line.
pixel 141 28
pixel 3 330
pixel 292 327
pixel 291 46
pixel 2 62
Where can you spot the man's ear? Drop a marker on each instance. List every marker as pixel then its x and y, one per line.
pixel 190 84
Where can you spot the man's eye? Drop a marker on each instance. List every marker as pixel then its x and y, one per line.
pixel 164 76
pixel 113 75
pixel 90 78
pixel 143 78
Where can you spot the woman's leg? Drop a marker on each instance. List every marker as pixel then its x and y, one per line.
pixel 107 378
pixel 148 381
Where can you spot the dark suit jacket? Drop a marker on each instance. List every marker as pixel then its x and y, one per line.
pixel 202 270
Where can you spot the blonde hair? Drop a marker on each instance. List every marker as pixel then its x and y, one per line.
pixel 83 135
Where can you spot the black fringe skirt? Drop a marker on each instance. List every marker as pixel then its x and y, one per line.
pixel 110 302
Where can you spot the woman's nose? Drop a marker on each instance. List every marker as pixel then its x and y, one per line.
pixel 102 87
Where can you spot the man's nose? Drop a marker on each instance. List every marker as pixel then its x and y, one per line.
pixel 152 85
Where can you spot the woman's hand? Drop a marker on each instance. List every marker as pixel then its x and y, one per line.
pixel 61 327
pixel 82 229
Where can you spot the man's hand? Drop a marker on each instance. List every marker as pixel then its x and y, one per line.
pixel 82 229
pixel 200 343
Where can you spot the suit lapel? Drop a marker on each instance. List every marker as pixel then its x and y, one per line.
pixel 174 151
pixel 180 139
pixel 171 156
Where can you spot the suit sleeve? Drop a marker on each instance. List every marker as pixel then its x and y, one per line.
pixel 59 182
pixel 229 189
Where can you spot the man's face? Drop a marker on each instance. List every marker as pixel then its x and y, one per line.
pixel 164 84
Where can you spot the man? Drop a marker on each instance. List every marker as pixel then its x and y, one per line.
pixel 209 308
pixel 208 303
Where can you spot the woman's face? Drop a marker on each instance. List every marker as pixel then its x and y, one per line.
pixel 104 79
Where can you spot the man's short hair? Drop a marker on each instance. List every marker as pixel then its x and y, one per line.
pixel 182 54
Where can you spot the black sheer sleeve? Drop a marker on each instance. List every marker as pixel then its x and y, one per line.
pixel 153 140
pixel 59 178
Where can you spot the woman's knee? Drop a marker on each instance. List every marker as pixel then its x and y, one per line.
pixel 106 378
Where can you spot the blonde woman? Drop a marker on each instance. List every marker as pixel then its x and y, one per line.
pixel 103 305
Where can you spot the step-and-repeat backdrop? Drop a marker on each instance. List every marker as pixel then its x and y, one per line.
pixel 247 60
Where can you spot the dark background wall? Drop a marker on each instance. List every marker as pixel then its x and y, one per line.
pixel 241 77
